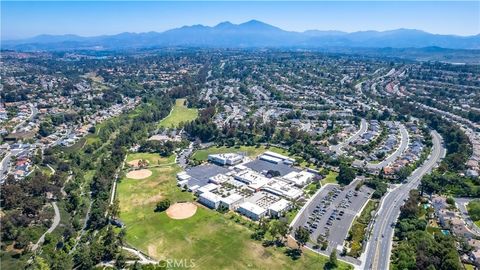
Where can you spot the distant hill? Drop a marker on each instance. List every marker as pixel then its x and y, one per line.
pixel 249 34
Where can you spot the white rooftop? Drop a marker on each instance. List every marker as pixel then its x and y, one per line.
pixel 235 197
pixel 252 178
pixel 280 156
pixel 211 196
pixel 226 156
pixel 279 206
pixel 219 178
pixel 208 188
pixel 299 178
pixel 253 208
pixel 282 188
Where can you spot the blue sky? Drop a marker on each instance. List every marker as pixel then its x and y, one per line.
pixel 21 19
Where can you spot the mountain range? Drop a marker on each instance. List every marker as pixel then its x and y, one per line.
pixel 250 34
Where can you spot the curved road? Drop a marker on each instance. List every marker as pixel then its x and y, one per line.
pixel 377 253
pixel 462 207
pixel 363 128
pixel 401 148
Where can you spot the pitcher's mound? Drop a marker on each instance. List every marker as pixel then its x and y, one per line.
pixel 136 162
pixel 139 174
pixel 181 210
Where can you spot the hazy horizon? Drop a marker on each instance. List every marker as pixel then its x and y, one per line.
pixel 22 20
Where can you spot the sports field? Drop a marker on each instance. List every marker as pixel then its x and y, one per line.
pixel 153 159
pixel 209 238
pixel 180 113
pixel 251 151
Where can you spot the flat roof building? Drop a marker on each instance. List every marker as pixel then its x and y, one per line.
pixel 282 189
pixel 210 187
pixel 253 179
pixel 231 202
pixel 219 178
pixel 299 179
pixel 251 210
pixel 181 176
pixel 209 199
pixel 278 208
pixel 285 159
pixel 271 159
pixel 225 159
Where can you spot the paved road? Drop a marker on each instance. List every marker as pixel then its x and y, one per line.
pixel 4 165
pixel 5 162
pixel 33 112
pixel 56 221
pixel 462 206
pixel 377 253
pixel 363 128
pixel 403 146
pixel 182 157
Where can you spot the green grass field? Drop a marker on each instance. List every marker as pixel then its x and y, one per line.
pixel 152 158
pixel 331 178
pixel 209 238
pixel 180 113
pixel 251 151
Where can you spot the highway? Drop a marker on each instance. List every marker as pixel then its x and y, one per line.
pixel 363 128
pixel 377 253
pixel 398 152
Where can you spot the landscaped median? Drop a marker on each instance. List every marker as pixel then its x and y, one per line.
pixel 357 232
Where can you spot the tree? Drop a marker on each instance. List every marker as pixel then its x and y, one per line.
pixel 279 229
pixel 162 205
pixel 403 173
pixel 38 263
pixel 332 261
pixel 346 175
pixel 302 236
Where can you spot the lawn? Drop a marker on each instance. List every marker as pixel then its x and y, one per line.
pixel 208 238
pixel 152 158
pixel 251 151
pixel 331 178
pixel 180 113
pixel 469 266
pixel 433 230
pixel 473 208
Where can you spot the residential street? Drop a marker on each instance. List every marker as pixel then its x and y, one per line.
pixel 377 253
pixel 398 152
pixel 462 206
pixel 363 128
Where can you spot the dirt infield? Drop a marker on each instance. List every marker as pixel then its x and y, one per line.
pixel 181 210
pixel 139 174
pixel 135 162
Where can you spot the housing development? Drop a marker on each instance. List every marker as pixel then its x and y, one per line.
pixel 233 158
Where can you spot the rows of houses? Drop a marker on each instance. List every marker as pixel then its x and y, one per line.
pixel 412 153
pixel 453 222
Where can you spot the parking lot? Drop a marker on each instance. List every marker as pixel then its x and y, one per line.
pixel 201 174
pixel 264 166
pixel 332 211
